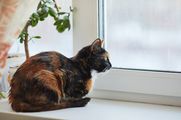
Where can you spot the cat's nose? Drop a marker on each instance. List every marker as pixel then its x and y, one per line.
pixel 109 66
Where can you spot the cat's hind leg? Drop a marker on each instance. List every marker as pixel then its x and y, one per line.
pixel 49 80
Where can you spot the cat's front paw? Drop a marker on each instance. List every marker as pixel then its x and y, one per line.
pixel 81 102
pixel 85 101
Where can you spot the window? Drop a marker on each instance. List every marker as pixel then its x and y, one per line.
pixel 93 16
pixel 146 34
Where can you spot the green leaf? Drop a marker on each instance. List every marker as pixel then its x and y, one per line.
pixel 52 12
pixel 62 13
pixel 1 95
pixel 34 22
pixel 58 22
pixel 25 33
pixel 66 17
pixel 66 24
pixel 43 13
pixel 37 37
pixel 21 40
pixel 60 28
pixel 45 9
pixel 22 36
pixel 35 16
pixel 42 19
pixel 62 24
pixel 34 19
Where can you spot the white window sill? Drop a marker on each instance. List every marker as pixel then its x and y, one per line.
pixel 99 110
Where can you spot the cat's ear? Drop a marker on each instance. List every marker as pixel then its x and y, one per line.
pixel 98 43
pixel 102 44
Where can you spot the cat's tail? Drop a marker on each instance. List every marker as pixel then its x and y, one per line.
pixel 19 106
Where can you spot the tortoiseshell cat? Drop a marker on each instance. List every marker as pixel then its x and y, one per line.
pixel 50 81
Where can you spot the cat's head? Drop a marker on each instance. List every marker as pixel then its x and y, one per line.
pixel 96 56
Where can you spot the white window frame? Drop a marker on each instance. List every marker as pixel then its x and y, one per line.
pixel 123 84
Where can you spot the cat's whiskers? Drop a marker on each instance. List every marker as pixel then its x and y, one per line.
pixel 105 69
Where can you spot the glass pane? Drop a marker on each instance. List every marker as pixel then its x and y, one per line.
pixel 144 34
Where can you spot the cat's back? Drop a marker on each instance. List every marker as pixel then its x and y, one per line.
pixel 43 61
pixel 28 78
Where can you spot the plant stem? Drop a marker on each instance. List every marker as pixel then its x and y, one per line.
pixel 26 40
pixel 56 6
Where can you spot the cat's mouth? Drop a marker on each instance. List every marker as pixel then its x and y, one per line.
pixel 106 68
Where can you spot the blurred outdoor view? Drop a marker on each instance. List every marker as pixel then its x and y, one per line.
pixel 144 34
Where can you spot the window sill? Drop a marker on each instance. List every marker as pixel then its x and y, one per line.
pixel 100 109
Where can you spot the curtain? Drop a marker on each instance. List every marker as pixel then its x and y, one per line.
pixel 13 17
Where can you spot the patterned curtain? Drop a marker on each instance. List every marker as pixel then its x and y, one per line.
pixel 13 17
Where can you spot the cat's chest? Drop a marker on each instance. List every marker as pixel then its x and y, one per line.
pixel 79 86
pixel 83 85
pixel 90 82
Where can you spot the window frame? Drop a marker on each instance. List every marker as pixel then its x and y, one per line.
pixel 122 84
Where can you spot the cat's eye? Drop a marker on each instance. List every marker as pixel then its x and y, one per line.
pixel 106 58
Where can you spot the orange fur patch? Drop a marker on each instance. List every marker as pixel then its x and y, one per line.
pixel 49 80
pixel 89 85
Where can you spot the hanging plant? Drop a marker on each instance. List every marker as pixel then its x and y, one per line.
pixel 45 9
